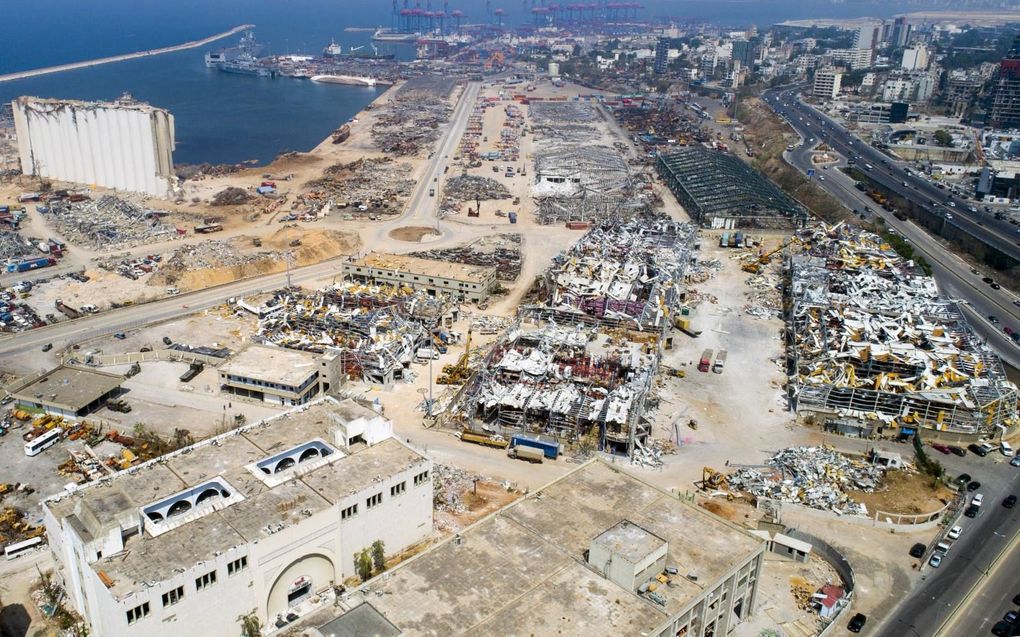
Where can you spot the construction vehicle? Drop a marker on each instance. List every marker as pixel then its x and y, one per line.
pixel 706 361
pixel 483 439
pixel 755 267
pixel 118 405
pixel 712 479
pixel 458 372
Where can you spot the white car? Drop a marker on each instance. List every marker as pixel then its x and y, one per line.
pixel 935 561
pixel 977 499
pixel 954 533
pixel 1005 448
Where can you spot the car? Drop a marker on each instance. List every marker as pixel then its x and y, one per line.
pixel 918 550
pixel 1009 502
pixel 971 511
pixel 935 561
pixel 120 336
pixel 995 286
pixel 1005 449
pixel 989 280
pixel 973 486
pixel 47 347
pixel 1016 599
pixel 1010 616
pixel 906 185
pixel 1015 462
pixel 941 448
pixel 167 341
pixel 857 622
pixel 821 177
pixel 962 479
pixel 1016 302
pixel 949 216
pixel 1001 629
pixel 959 451
pixel 1008 330
pixel 977 499
pixel 978 449
pixel 954 533
pixel 993 319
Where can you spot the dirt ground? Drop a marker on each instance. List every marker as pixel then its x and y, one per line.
pixel 489 497
pixel 905 492
pixel 777 607
pixel 413 233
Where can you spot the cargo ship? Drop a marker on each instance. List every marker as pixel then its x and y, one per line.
pixel 389 35
pixel 247 67
pixel 248 46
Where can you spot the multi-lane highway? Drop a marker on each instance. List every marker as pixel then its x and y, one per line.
pixel 955 277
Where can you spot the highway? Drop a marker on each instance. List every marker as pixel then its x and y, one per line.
pixel 420 210
pixel 953 274
pixel 20 75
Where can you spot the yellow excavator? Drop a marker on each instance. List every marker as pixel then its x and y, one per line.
pixel 458 372
pixel 754 267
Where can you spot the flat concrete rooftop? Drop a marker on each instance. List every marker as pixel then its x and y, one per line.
pixel 274 364
pixel 98 509
pixel 69 387
pixel 427 267
pixel 521 571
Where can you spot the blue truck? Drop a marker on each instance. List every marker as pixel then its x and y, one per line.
pixel 549 447
pixel 29 264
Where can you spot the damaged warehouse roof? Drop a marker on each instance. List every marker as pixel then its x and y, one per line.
pixel 873 341
pixel 720 191
pixel 627 273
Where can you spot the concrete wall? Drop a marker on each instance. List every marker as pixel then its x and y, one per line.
pixel 107 145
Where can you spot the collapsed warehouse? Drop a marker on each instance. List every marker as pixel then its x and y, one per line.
pixel 410 121
pixel 109 222
pixel 873 347
pixel 622 273
pixel 585 183
pixel 719 190
pixel 371 333
pixel 580 363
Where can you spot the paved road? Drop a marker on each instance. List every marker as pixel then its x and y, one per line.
pixel 421 210
pixel 952 273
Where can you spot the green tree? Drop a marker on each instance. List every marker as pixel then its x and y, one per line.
pixel 943 138
pixel 363 564
pixel 250 625
pixel 379 556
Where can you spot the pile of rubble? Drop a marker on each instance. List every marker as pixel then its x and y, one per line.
pixel 376 183
pixel 564 121
pixel 449 486
pixel 109 222
pixel 214 253
pixel 475 187
pixel 486 324
pixel 818 477
pixel 231 196
pixel 765 300
pixel 502 251
pixel 410 121
pixel 704 270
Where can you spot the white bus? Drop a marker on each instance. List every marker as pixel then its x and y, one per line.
pixel 48 439
pixel 12 551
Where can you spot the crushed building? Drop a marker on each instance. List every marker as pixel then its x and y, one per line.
pixel 597 552
pixel 718 190
pixel 459 280
pixel 872 345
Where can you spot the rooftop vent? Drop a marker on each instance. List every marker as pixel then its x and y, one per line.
pixel 183 506
pixel 295 461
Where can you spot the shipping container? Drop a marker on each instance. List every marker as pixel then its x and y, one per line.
pixel 720 361
pixel 549 447
pixel 578 225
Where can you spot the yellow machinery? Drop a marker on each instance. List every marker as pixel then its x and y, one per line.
pixel 755 267
pixel 458 372
pixel 712 479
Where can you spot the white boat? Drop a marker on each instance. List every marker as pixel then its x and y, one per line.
pixel 389 35
pixel 353 80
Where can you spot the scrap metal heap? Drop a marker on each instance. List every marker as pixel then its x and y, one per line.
pixel 586 183
pixel 375 329
pixel 564 121
pixel 818 477
pixel 411 120
pixel 872 341
pixel 109 222
pixel 564 381
pixel 629 274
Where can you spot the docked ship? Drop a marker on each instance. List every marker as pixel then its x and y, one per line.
pixel 352 80
pixel 247 66
pixel 247 47
pixel 334 50
pixel 389 35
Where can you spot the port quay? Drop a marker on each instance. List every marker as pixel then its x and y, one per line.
pixel 20 75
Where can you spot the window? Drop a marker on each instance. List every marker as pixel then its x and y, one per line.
pixel 397 489
pixel 137 613
pixel 237 565
pixel 205 581
pixel 421 478
pixel 172 597
pixel 374 501
pixel 349 512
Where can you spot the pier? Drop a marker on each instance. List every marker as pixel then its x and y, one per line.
pixel 20 75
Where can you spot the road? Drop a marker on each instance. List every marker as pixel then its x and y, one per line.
pixel 20 75
pixel 952 273
pixel 421 210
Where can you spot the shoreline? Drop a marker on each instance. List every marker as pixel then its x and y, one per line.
pixel 21 75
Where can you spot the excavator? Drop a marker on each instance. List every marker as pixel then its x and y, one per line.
pixel 458 372
pixel 755 267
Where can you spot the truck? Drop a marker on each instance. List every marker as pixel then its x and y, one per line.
pixel 30 264
pixel 531 454
pixel 66 309
pixel 549 447
pixel 193 370
pixel 706 361
pixel 209 227
pixel 720 361
pixel 484 439
pixel 512 216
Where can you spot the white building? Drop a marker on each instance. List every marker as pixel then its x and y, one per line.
pixel 272 374
pixel 866 36
pixel 827 84
pixel 260 519
pixel 124 145
pixel 856 58
pixel 915 58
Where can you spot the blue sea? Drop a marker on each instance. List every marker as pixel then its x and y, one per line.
pixel 222 118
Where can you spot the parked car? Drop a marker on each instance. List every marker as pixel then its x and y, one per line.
pixel 47 347
pixel 962 479
pixel 917 550
pixel 167 341
pixel 973 485
pixel 935 561
pixel 960 451
pixel 978 499
pixel 1005 449
pixel 971 511
pixel 978 449
pixel 1010 616
pixel 1015 462
pixel 940 448
pixel 857 622
pixel 120 336
pixel 954 533
pixel 1001 629
pixel 1009 502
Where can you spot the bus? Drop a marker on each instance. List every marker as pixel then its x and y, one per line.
pixel 17 549
pixel 45 441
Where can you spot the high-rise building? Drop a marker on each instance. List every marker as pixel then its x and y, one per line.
pixel 915 58
pixel 1006 90
pixel 866 36
pixel 661 55
pixel 901 32
pixel 743 52
pixel 827 84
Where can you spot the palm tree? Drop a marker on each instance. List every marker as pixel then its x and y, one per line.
pixel 250 625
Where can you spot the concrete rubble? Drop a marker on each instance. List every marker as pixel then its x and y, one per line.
pixel 502 251
pixel 109 222
pixel 371 185
pixel 411 120
pixel 817 477
pixel 564 121
pixel 474 187
pixel 873 344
